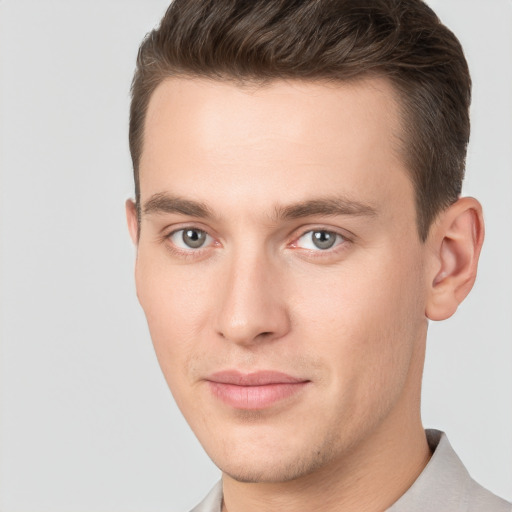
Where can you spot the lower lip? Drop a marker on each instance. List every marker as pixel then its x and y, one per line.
pixel 255 397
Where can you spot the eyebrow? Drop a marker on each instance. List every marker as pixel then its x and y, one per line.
pixel 164 203
pixel 329 206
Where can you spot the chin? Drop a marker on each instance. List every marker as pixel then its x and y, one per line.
pixel 267 475
pixel 275 467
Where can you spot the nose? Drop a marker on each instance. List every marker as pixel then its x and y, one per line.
pixel 252 306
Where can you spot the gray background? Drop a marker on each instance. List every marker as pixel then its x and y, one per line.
pixel 86 420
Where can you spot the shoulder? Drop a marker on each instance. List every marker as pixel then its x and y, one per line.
pixel 479 499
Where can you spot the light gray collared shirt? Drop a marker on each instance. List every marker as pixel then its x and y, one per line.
pixel 443 486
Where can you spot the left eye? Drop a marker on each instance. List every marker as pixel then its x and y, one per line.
pixel 319 239
pixel 190 238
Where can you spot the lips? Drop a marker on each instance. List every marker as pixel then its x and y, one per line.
pixel 253 391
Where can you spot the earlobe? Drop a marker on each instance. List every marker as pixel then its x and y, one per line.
pixel 456 240
pixel 132 221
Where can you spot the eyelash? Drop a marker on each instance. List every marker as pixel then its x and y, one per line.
pixel 192 253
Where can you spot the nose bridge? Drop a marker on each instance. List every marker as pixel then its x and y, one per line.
pixel 252 306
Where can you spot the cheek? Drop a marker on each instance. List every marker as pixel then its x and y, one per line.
pixel 365 320
pixel 370 294
pixel 174 300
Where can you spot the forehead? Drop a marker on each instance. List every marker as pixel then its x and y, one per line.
pixel 274 142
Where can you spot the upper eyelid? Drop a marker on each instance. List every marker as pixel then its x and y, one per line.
pixel 189 228
pixel 346 235
pixel 327 230
pixel 168 231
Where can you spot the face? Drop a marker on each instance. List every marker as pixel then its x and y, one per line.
pixel 280 269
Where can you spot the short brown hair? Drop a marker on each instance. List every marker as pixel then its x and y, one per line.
pixel 336 40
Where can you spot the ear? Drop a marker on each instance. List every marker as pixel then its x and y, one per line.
pixel 455 240
pixel 131 219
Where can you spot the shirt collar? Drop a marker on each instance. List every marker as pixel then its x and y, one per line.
pixel 442 485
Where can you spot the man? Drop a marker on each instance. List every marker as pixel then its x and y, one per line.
pixel 298 220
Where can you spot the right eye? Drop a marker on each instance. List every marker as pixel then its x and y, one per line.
pixel 190 238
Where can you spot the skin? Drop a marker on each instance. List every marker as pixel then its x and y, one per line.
pixel 351 320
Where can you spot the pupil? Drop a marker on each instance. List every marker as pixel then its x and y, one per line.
pixel 324 239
